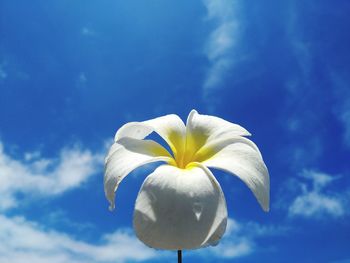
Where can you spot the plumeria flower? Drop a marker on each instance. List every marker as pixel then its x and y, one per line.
pixel 181 205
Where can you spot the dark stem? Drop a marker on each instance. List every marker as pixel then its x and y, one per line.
pixel 179 256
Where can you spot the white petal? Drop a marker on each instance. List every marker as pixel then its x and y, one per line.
pixel 202 129
pixel 213 127
pixel 170 127
pixel 126 155
pixel 180 209
pixel 242 159
pixel 214 146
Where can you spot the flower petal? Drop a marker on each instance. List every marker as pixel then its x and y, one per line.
pixel 126 155
pixel 202 129
pixel 180 209
pixel 214 146
pixel 241 157
pixel 170 127
pixel 213 127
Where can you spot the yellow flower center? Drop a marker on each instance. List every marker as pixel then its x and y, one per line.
pixel 189 150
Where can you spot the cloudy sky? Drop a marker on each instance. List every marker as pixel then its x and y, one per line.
pixel 72 72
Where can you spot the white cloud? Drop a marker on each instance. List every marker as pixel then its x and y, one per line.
pixel 240 239
pixel 234 244
pixel 220 42
pixel 234 248
pixel 42 176
pixel 315 201
pixel 25 241
pixel 314 204
pixel 22 240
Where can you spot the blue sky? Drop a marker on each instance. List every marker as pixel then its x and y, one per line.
pixel 72 72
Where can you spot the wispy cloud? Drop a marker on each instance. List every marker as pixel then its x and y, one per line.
pixel 35 175
pixel 3 74
pixel 314 201
pixel 25 241
pixel 87 31
pixel 240 239
pixel 341 87
pixel 235 243
pixel 81 80
pixel 220 42
pixel 300 47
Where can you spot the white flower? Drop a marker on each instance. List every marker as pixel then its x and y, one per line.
pixel 181 204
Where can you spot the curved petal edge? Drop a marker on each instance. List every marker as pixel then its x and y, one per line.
pixel 126 155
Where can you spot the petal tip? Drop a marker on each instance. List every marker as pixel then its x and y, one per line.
pixel 265 206
pixel 190 116
pixel 111 207
pixel 192 112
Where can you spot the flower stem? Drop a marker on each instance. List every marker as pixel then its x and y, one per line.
pixel 179 256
